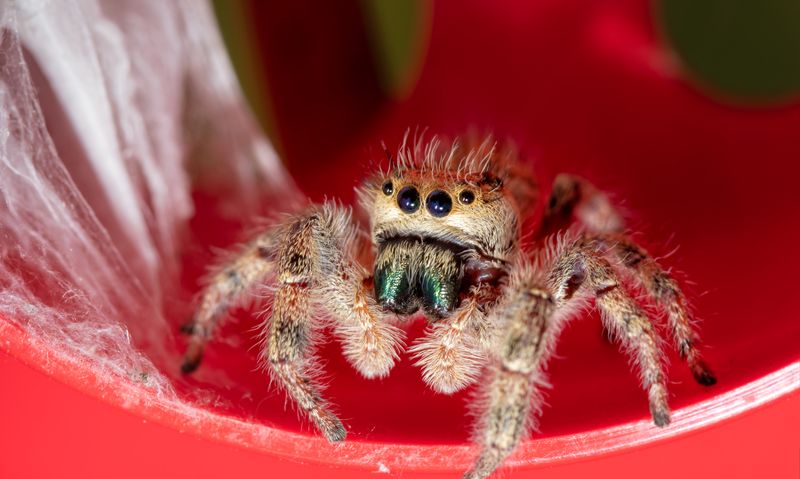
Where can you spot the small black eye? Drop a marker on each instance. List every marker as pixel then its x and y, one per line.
pixel 439 203
pixel 408 199
pixel 466 197
pixel 388 188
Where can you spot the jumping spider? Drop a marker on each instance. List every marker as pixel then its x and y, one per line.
pixel 445 234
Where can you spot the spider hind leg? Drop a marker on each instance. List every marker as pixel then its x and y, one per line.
pixel 229 286
pixel 664 290
pixel 575 199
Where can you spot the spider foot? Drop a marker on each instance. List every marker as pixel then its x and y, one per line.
pixel 331 427
pixel 660 416
pixel 703 375
pixel 192 358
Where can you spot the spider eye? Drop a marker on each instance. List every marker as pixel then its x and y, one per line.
pixel 439 203
pixel 466 197
pixel 408 199
pixel 388 188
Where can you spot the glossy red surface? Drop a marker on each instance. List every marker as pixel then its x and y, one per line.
pixel 582 86
pixel 54 430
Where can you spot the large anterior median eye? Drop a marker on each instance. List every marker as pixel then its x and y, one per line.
pixel 408 199
pixel 439 203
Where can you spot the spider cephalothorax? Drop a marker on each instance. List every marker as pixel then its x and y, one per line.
pixel 445 226
pixel 442 222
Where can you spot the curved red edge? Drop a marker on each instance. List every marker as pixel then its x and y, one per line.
pixel 171 412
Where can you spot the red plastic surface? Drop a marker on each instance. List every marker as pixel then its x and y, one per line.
pixel 587 88
pixel 50 428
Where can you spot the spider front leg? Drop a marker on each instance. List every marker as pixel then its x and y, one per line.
pixel 525 314
pixel 312 258
pixel 292 326
pixel 288 353
pixel 316 258
pixel 536 303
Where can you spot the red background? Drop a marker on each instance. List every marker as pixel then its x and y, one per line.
pixel 582 86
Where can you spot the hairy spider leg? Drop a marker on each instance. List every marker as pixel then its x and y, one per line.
pixel 659 285
pixel 538 300
pixel 315 257
pixel 451 351
pixel 575 198
pixel 230 286
pixel 311 256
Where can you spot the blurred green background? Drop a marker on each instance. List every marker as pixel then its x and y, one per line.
pixel 744 51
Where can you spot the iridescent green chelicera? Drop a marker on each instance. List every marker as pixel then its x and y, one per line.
pixel 439 290
pixel 391 285
pixel 411 273
pixel 393 290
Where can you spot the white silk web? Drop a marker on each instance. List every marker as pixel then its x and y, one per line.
pixel 111 112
